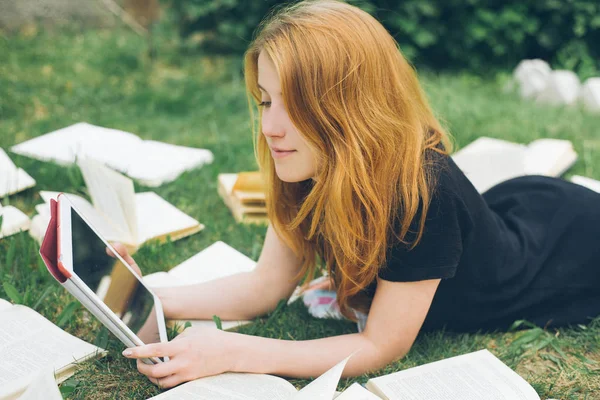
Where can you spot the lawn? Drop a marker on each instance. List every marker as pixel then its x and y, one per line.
pixel 51 80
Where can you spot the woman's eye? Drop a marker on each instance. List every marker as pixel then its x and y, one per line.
pixel 264 104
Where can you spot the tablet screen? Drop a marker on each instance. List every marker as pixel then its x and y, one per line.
pixel 113 282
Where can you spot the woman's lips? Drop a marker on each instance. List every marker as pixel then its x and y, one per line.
pixel 278 153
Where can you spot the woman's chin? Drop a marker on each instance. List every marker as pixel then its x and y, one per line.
pixel 290 175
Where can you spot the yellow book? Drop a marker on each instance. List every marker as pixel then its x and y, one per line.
pixel 242 197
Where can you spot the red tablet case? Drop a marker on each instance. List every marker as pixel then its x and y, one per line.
pixel 49 250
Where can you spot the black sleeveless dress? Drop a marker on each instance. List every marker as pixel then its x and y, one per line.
pixel 528 248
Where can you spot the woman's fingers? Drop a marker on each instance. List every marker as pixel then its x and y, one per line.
pixel 122 250
pixel 159 371
pixel 170 381
pixel 164 375
pixel 149 351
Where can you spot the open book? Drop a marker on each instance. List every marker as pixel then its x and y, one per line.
pixel 12 220
pixel 216 261
pixel 589 183
pixel 119 214
pixel 487 161
pixel 30 344
pixel 244 194
pixel 12 179
pixel 150 162
pixel 232 386
pixel 474 376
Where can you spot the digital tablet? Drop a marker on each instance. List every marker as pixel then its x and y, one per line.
pixel 105 284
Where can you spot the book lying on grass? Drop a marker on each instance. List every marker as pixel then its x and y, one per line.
pixel 488 161
pixel 216 261
pixel 473 376
pixel 12 179
pixel 30 344
pixel 589 183
pixel 120 214
pixel 244 194
pixel 234 386
pixel 149 162
pixel 12 220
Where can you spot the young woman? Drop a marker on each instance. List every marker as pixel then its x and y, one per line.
pixel 359 176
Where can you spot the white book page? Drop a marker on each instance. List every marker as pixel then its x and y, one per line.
pixel 160 279
pixel 323 388
pixel 157 217
pixel 216 261
pixel 473 376
pixel 227 181
pixel 29 343
pixel 589 183
pixel 487 162
pixel 97 220
pixel 4 305
pixel 549 157
pixel 42 387
pixel 113 196
pixel 38 226
pixel 65 145
pixel 12 179
pixel 232 387
pixel 357 392
pixel 155 163
pixel 13 221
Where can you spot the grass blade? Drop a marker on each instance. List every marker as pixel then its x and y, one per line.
pixel 67 313
pixel 12 293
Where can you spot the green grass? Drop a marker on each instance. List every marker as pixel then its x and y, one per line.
pixel 51 80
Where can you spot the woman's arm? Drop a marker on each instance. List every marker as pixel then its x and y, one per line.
pixel 240 296
pixel 397 313
pixel 396 316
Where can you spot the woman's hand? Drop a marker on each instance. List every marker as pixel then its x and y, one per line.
pixel 122 250
pixel 196 353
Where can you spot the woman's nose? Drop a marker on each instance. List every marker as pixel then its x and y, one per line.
pixel 272 125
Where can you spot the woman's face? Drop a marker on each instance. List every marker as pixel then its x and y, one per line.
pixel 294 160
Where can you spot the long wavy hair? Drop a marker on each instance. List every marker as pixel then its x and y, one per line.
pixel 359 106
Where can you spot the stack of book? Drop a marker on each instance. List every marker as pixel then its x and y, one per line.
pixel 244 194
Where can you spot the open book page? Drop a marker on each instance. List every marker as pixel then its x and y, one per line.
pixel 13 221
pixel 12 179
pixel 216 261
pixel 473 376
pixel 487 162
pixel 157 219
pixel 154 163
pixel 112 195
pixel 323 388
pixel 65 145
pixel 30 343
pixel 357 392
pixel 4 305
pixel 232 387
pixel 106 229
pixel 589 183
pixel 551 157
pixel 42 387
pixel 227 182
